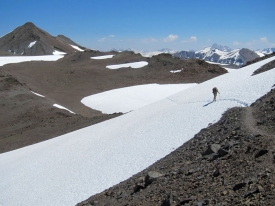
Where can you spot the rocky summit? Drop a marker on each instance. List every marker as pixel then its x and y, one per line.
pixel 28 39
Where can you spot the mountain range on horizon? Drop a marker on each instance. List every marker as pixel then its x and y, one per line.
pixel 28 39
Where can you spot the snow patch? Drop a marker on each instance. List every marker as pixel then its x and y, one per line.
pixel 61 107
pixel 132 65
pixel 103 57
pixel 260 53
pixel 77 48
pixel 176 71
pixel 55 52
pixel 31 44
pixel 37 94
pixel 17 59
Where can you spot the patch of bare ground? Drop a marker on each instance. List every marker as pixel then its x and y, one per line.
pixel 231 162
pixel 28 119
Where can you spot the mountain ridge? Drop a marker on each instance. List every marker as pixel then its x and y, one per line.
pixel 28 39
pixel 213 54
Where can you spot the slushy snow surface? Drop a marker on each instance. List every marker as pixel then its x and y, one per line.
pixel 131 98
pixel 70 168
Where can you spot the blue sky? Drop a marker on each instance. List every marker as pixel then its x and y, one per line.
pixel 148 25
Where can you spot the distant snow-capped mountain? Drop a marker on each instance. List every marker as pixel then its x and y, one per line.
pixel 221 48
pixel 220 54
pixel 262 52
pixel 31 40
pixel 149 53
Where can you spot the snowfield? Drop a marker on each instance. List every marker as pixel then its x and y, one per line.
pixel 131 98
pixel 70 168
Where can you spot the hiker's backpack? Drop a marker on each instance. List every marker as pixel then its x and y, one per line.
pixel 215 90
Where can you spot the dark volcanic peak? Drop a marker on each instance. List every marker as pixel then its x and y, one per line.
pixel 28 39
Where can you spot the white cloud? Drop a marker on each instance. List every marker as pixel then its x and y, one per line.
pixel 191 39
pixel 235 43
pixel 260 43
pixel 263 39
pixel 106 38
pixel 170 38
pixel 102 39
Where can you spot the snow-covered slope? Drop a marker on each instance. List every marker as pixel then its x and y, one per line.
pixel 70 168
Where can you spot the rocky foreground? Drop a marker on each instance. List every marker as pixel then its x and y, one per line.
pixel 231 162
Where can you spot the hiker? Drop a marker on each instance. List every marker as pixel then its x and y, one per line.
pixel 215 92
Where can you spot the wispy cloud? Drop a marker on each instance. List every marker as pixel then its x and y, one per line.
pixel 259 43
pixel 149 40
pixel 263 39
pixel 170 38
pixel 236 43
pixel 103 39
pixel 191 39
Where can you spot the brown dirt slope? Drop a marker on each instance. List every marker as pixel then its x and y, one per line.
pixel 28 119
pixel 231 162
